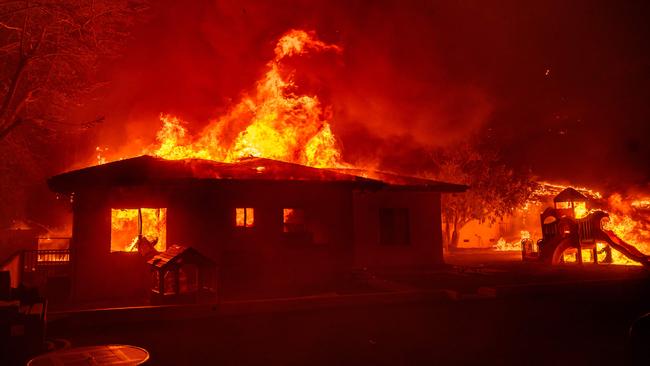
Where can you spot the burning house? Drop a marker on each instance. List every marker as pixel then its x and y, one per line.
pixel 271 227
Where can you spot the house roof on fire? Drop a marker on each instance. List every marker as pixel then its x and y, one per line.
pixel 147 169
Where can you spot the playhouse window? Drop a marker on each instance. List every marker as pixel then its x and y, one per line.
pixel 293 220
pixel 127 224
pixel 570 255
pixel 580 209
pixel 394 226
pixel 244 217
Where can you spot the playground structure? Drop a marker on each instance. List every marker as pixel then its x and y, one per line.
pixel 571 233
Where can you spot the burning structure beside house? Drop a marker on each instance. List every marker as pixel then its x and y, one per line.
pixel 619 232
pixel 270 227
pixel 574 233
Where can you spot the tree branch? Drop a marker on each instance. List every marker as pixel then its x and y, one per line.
pixel 56 49
pixel 39 42
pixel 13 121
pixel 9 27
pixel 23 31
pixel 9 47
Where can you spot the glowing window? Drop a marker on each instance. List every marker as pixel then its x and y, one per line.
pixel 563 205
pixel 293 220
pixel 127 224
pixel 570 255
pixel 244 217
pixel 587 256
pixel 580 209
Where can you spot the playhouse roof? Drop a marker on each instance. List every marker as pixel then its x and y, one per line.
pixel 570 194
pixel 176 252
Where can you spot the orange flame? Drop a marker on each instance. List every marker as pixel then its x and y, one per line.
pixel 629 218
pixel 503 245
pixel 274 123
pixel 124 228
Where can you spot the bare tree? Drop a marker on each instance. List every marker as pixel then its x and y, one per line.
pixel 495 189
pixel 49 54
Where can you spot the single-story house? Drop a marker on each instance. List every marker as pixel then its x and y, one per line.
pixel 271 227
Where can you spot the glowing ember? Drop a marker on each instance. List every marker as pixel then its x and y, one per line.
pixel 124 228
pixel 273 123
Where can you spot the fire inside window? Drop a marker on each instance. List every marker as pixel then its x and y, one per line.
pixel 293 220
pixel 244 217
pixel 128 224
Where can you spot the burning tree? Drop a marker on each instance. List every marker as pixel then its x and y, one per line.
pixel 49 55
pixel 495 189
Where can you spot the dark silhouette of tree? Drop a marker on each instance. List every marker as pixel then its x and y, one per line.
pixel 49 54
pixel 495 189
